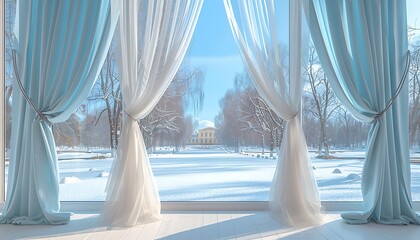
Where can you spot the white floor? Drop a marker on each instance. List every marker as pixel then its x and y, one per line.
pixel 210 225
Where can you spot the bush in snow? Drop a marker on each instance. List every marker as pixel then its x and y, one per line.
pixel 103 174
pixel 67 180
pixel 354 176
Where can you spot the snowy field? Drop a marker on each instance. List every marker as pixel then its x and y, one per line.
pixel 216 175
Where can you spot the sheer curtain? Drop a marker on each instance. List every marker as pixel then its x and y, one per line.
pixel 294 197
pixel 363 49
pixel 61 47
pixel 154 37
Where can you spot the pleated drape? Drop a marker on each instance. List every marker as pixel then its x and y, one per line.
pixel 363 49
pixel 61 46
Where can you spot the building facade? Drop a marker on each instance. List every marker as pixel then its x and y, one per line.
pixel 205 136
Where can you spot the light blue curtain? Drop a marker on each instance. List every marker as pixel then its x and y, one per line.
pixel 61 47
pixel 362 46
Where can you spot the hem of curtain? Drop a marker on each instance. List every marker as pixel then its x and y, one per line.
pixel 24 220
pixel 307 218
pixel 356 218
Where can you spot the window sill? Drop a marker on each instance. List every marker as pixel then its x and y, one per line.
pixel 220 206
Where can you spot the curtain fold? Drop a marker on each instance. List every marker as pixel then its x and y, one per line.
pixel 154 37
pixel 362 46
pixel 61 46
pixel 294 197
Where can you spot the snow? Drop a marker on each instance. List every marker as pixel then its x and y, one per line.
pixel 83 155
pixel 212 175
pixel 217 175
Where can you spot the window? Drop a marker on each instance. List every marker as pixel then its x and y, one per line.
pixel 86 140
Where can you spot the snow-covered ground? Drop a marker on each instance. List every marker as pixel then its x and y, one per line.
pixel 216 175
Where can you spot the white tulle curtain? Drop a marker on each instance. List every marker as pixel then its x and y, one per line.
pixel 294 197
pixel 153 39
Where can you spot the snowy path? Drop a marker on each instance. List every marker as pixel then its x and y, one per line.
pixel 217 175
pixel 213 175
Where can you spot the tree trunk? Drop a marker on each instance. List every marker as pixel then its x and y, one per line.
pixel 272 144
pixel 262 143
pixel 320 142
pixel 237 145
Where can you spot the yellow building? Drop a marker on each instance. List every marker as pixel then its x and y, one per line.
pixel 205 136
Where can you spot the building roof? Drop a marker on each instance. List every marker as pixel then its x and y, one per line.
pixel 207 128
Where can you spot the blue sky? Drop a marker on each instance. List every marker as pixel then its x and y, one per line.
pixel 413 17
pixel 413 13
pixel 213 50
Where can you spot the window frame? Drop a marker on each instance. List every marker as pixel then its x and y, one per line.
pixel 166 205
pixel 2 107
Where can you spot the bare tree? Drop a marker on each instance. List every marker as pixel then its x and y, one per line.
pixel 107 99
pixel 10 13
pixel 257 116
pixel 229 129
pixel 323 103
pixel 309 123
pixel 412 31
pixel 246 115
pixel 168 120
pixel 414 92
pixel 162 120
pixel 68 133
pixel 355 131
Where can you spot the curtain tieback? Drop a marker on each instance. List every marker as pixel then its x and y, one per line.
pixel 294 115
pixel 378 116
pixel 41 115
pixel 129 116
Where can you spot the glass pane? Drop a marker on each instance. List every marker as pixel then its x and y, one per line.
pixel 206 139
pixel 86 142
pixel 336 141
pixel 190 154
pixel 414 95
pixel 10 12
